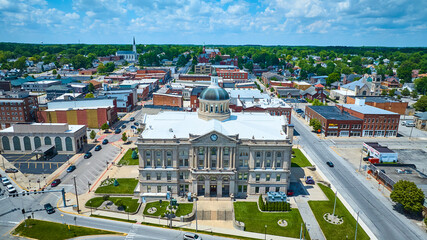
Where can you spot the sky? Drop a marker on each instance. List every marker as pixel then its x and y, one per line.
pixel 394 23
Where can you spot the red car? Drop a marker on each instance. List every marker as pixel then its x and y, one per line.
pixel 55 182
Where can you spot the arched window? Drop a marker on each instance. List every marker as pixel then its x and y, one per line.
pixel 200 178
pixel 58 144
pixel 47 141
pixel 222 108
pixel 6 143
pixel 206 107
pixel 216 108
pixel 68 144
pixel 16 143
pixel 37 142
pixel 27 144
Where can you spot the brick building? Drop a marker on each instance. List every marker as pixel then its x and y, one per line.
pixel 194 97
pixel 92 112
pixel 315 92
pixel 167 99
pixel 235 74
pixel 17 107
pixel 381 102
pixel 91 71
pixel 194 77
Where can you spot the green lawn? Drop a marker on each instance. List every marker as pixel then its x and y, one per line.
pixel 130 204
pixel 184 209
pixel 126 186
pixel 255 220
pixel 299 160
pixel 128 160
pixel 113 218
pixel 332 231
pixel 160 208
pixel 44 230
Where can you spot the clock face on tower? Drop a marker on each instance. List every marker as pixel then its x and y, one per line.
pixel 214 137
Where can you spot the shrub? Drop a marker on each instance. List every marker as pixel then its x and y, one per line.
pixel 106 197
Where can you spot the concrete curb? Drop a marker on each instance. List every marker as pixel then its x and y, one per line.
pixel 349 208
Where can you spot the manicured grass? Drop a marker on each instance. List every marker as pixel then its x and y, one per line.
pixel 128 160
pixel 38 229
pixel 126 186
pixel 184 209
pixel 299 160
pixel 113 218
pixel 160 208
pixel 332 231
pixel 131 205
pixel 255 220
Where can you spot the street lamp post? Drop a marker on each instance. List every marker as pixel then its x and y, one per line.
pixel 335 203
pixel 196 212
pixel 410 135
pixel 77 196
pixel 265 232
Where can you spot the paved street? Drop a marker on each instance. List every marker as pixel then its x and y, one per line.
pixel 375 210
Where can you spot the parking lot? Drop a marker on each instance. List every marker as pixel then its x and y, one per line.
pixel 28 164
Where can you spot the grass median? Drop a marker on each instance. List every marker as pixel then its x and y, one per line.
pixel 38 229
pixel 128 160
pixel 255 221
pixel 126 186
pixel 131 205
pixel 345 230
pixel 299 160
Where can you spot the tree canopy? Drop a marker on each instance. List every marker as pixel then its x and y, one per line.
pixel 421 104
pixel 408 195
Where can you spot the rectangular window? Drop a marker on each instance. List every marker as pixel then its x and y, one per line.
pixel 245 176
pixel 239 188
pixel 278 163
pixel 257 163
pixel 226 151
pixel 148 189
pixel 169 177
pixel 256 189
pixel 240 177
pixel 268 163
pixel 277 189
pixel 245 188
pixel 159 176
pixel 169 188
pixel 181 176
pixel 226 163
pixel 148 177
pixel 159 189
pixel 278 178
pixel 267 177
pixel 257 177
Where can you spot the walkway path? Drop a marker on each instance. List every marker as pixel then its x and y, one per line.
pixel 309 218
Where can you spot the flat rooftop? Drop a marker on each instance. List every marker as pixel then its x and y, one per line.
pixel 332 112
pixel 415 176
pixel 379 148
pixel 366 109
pixel 376 99
pixel 259 126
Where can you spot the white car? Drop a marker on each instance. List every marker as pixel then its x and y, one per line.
pixel 5 181
pixel 10 188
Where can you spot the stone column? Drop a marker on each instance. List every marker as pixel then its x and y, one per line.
pixel 263 160
pixel 206 158
pixel 232 187
pixel 194 186
pixel 209 158
pixel 219 188
pixel 274 160
pixel 175 158
pixel 233 158
pixel 207 188
pixel 153 159
pixel 286 160
pixel 219 158
pixel 141 157
pixel 251 159
pixel 163 159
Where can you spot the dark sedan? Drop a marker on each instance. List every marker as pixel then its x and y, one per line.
pixel 55 182
pixel 330 164
pixel 49 209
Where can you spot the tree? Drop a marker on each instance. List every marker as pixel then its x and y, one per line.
pixel 421 104
pixel 316 102
pixel 315 124
pixel 92 135
pixel 250 66
pixel 124 137
pixel 421 85
pixel 134 154
pixel 404 71
pixel 414 94
pixel 110 66
pixel 333 77
pixel 408 195
pixel 392 92
pixel 181 61
pixel 105 126
pixel 89 95
pixel 383 92
pixel 102 68
pixel 405 92
pixel 20 63
pixel 54 72
pixel 91 88
pixel 58 76
pixel 218 58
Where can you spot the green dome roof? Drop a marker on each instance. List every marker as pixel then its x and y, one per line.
pixel 214 93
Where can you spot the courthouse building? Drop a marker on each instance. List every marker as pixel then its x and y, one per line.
pixel 214 152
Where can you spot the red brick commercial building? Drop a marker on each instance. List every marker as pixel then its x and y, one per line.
pixel 17 107
pixel 88 71
pixel 194 77
pixel 236 74
pixel 384 103
pixel 335 122
pixel 167 99
pixel 354 120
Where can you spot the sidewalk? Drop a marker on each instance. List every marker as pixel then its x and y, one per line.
pixel 309 218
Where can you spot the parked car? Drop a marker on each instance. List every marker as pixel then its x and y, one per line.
pixel 88 155
pixel 117 131
pixel 133 127
pixel 191 236
pixel 71 168
pixel 136 123
pixel 49 209
pixel 10 188
pixel 55 182
pixel 290 193
pixel 403 123
pixel 98 147
pixel 11 170
pixel 366 158
pixel 330 164
pixel 132 119
pixel 5 181
pixel 309 180
pixel 105 141
pixel 123 126
pixel 410 124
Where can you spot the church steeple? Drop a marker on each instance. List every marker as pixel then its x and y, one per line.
pixel 134 45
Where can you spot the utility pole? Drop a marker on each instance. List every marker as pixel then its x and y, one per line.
pixel 335 203
pixel 77 196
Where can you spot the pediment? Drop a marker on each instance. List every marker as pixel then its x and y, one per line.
pixel 214 137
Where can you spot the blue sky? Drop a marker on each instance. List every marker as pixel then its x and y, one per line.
pixel 400 23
